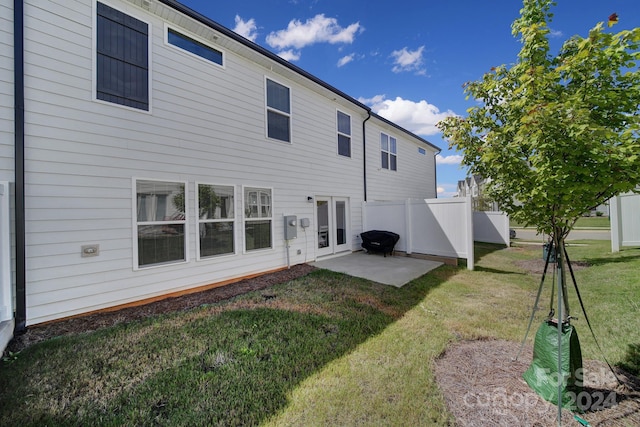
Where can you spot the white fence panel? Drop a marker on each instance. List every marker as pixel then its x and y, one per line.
pixel 442 227
pixel 625 221
pixel 6 298
pixel 491 227
pixel 387 216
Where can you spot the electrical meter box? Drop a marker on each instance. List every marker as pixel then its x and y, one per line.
pixel 290 227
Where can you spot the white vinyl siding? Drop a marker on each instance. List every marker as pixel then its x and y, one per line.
pixel 6 92
pixel 414 179
pixel 207 126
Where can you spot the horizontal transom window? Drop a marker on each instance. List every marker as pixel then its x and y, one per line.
pixel 193 46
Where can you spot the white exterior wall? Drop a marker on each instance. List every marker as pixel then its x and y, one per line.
pixel 206 125
pixel 7 176
pixel 6 91
pixel 415 177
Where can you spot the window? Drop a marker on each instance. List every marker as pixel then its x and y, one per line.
pixel 122 57
pixel 422 151
pixel 344 134
pixel 278 111
pixel 388 151
pixel 215 220
pixel 257 218
pixel 192 46
pixel 160 219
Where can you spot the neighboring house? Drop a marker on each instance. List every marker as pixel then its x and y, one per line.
pixel 474 186
pixel 150 151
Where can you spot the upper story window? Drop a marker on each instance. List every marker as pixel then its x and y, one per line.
pixel 278 111
pixel 193 46
pixel 257 218
pixel 422 151
pixel 122 58
pixel 216 220
pixel 344 134
pixel 160 220
pixel 388 150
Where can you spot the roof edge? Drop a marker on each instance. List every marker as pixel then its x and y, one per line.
pixel 256 47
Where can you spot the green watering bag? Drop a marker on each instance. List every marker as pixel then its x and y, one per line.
pixel 543 376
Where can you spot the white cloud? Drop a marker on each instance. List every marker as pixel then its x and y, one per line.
pixel 318 29
pixel 247 29
pixel 289 55
pixel 372 101
pixel 454 159
pixel 418 117
pixel 555 33
pixel 447 190
pixel 407 60
pixel 346 59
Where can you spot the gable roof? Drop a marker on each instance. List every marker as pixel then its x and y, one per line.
pixel 273 57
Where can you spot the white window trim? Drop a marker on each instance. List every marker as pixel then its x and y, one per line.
pixel 134 220
pixel 94 55
pixel 198 221
pixel 350 156
pixel 202 40
pixel 267 109
pixel 389 153
pixel 244 220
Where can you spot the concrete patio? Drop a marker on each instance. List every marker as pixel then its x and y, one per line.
pixel 390 270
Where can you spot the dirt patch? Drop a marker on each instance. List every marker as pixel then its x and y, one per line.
pixel 92 322
pixel 483 386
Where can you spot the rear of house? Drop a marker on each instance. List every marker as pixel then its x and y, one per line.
pixel 162 153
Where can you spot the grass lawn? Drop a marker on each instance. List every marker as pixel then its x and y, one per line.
pixel 327 349
pixel 584 222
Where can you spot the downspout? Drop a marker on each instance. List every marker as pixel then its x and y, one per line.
pixel 435 172
pixel 18 108
pixel 364 154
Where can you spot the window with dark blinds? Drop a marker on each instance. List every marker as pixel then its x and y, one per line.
pixel 122 59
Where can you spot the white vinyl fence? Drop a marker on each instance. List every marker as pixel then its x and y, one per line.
pixel 442 227
pixel 6 301
pixel 491 227
pixel 625 221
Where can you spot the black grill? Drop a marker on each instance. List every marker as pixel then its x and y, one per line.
pixel 379 241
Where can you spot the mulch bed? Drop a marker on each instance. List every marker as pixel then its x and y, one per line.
pixel 483 386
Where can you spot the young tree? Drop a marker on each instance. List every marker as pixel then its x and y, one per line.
pixel 556 135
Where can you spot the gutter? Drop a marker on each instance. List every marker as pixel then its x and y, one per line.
pixel 19 208
pixel 364 154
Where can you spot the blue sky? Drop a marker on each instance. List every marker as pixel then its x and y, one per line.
pixel 407 59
